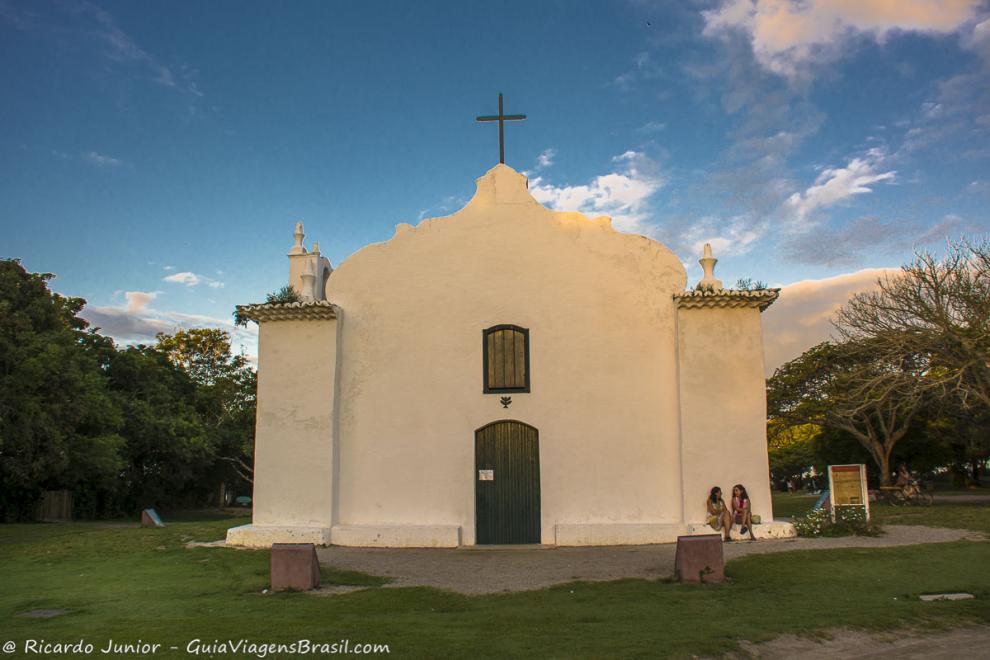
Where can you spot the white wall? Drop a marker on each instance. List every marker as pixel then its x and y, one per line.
pixel 723 407
pixel 294 445
pixel 603 362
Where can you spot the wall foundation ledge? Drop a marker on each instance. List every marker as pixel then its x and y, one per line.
pixel 772 529
pixel 263 536
pixel 397 536
pixel 617 533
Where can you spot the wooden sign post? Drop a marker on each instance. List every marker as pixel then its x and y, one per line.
pixel 847 487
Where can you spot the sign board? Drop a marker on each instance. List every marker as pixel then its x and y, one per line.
pixel 847 487
pixel 486 475
pixel 149 518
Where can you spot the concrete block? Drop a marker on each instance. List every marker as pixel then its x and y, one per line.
pixel 771 529
pixel 294 566
pixel 699 559
pixel 264 536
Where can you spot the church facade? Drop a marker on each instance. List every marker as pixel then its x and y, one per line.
pixel 507 374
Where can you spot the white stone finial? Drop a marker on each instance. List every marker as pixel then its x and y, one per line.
pixel 308 282
pixel 316 247
pixel 299 235
pixel 707 261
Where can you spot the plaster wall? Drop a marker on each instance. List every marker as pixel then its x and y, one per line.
pixel 294 439
pixel 603 345
pixel 723 407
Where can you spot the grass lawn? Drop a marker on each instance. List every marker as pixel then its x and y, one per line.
pixel 956 516
pixel 788 505
pixel 127 583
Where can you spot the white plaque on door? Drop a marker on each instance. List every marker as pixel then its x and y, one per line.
pixel 486 475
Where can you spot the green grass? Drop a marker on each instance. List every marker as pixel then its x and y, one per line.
pixel 127 583
pixel 955 516
pixel 788 505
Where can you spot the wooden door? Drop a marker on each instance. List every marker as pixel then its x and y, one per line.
pixel 507 483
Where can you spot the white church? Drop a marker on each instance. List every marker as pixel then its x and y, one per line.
pixel 507 374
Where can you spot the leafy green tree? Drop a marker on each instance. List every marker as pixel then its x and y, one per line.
pixel 168 450
pixel 58 424
pixel 852 387
pixel 791 449
pixel 225 396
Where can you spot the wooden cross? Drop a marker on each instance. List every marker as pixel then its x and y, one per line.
pixel 501 118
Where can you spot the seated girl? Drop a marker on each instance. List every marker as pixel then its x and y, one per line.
pixel 718 514
pixel 742 511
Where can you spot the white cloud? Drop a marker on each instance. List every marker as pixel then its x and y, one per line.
pixel 138 300
pixel 653 127
pixel 730 237
pixel 623 194
pixel 545 159
pixel 137 322
pixel 835 185
pixel 446 206
pixel 192 279
pixel 788 36
pixel 801 318
pixel 101 160
pixel 88 22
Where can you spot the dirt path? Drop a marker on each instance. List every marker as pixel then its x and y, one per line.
pixel 495 570
pixel 959 643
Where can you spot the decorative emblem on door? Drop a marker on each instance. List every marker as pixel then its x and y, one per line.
pixel 486 475
pixel 506 401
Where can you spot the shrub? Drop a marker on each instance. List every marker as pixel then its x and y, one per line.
pixel 849 521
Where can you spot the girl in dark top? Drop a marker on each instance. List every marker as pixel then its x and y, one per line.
pixel 718 514
pixel 742 511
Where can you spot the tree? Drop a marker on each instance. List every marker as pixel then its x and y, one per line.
pixel 204 353
pixel 854 388
pixel 58 425
pixel 168 451
pixel 791 450
pixel 937 310
pixel 225 394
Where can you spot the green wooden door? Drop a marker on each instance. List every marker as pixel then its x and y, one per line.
pixel 507 483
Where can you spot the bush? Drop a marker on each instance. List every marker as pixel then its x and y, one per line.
pixel 849 521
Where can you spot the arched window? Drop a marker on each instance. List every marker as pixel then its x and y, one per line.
pixel 506 359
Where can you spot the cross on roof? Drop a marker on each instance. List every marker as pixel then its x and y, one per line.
pixel 501 118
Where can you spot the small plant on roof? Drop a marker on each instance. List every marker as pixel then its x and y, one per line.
pixel 748 284
pixel 282 296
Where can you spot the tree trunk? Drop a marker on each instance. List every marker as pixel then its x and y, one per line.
pixel 883 463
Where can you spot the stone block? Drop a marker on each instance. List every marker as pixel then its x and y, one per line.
pixel 264 536
pixel 294 566
pixel 699 559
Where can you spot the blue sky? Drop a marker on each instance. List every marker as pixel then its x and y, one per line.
pixel 155 155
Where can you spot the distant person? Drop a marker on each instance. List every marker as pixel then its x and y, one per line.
pixel 907 481
pixel 742 510
pixel 791 486
pixel 904 476
pixel 718 514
